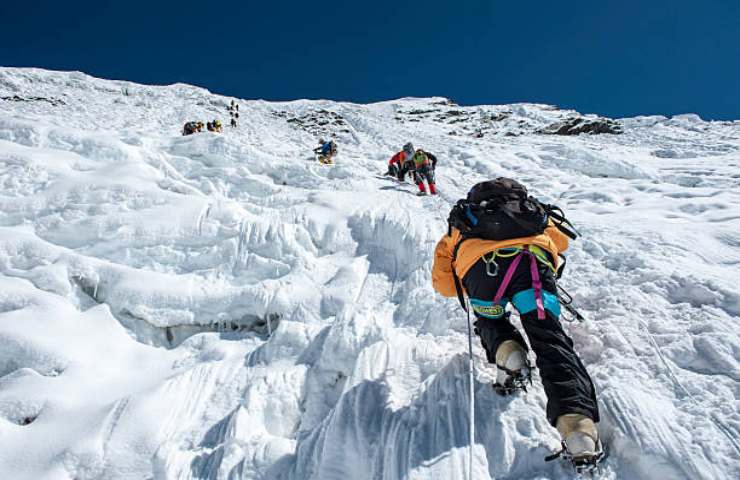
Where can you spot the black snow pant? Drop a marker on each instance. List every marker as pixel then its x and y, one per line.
pixel 567 384
pixel 403 170
pixel 422 173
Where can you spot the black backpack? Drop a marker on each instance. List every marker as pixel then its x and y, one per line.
pixel 502 209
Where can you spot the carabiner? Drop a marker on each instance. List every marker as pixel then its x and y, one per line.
pixel 489 262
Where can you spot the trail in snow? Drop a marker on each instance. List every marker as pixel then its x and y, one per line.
pixel 141 273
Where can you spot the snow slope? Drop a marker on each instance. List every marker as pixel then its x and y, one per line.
pixel 221 306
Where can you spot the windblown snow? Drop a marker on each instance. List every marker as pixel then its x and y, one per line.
pixel 221 306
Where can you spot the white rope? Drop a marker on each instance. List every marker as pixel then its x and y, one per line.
pixel 471 393
pixel 677 383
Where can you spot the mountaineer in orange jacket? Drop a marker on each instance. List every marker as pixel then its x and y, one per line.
pixel 519 266
pixel 398 165
pixel 419 162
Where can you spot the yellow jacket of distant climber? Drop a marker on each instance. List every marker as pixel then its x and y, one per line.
pixel 552 240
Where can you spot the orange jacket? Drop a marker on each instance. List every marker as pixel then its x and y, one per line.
pixel 552 240
pixel 398 158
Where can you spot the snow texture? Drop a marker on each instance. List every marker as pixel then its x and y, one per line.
pixel 221 306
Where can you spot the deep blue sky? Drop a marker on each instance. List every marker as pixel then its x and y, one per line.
pixel 616 58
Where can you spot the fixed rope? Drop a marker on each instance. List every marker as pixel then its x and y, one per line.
pixel 471 393
pixel 680 386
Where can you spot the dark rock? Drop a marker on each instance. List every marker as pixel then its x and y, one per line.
pixel 419 112
pixel 579 125
pixel 53 101
pixel 446 103
pixel 27 420
pixel 320 123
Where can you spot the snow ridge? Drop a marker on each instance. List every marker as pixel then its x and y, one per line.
pixel 221 306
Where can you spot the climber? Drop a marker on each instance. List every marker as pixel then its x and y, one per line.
pixel 397 166
pixel 423 169
pixel 326 151
pixel 191 127
pixel 214 126
pixel 504 246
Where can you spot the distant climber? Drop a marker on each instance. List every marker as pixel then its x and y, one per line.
pixel 422 169
pixel 423 164
pixel 233 110
pixel 504 246
pixel 402 163
pixel 192 127
pixel 397 166
pixel 214 126
pixel 326 151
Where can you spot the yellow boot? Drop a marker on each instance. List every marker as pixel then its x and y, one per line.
pixel 580 438
pixel 512 368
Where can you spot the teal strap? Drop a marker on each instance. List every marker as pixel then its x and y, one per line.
pixel 525 302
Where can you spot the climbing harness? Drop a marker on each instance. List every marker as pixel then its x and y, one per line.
pixel 536 281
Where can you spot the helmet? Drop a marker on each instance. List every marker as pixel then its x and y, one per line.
pixel 217 123
pixel 322 141
pixel 408 146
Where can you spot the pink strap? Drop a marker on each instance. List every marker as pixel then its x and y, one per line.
pixel 507 279
pixel 536 282
pixel 537 285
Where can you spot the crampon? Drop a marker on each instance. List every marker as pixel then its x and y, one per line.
pixel 582 464
pixel 515 381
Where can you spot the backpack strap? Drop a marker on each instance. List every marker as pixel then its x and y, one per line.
pixel 458 284
pixel 561 268
pixel 556 213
